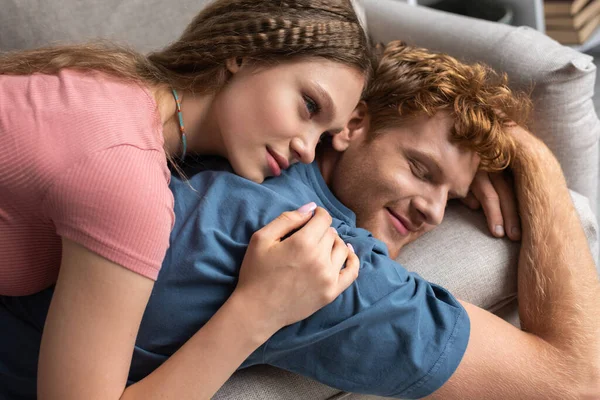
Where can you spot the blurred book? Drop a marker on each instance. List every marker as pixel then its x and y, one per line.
pixel 575 36
pixel 574 21
pixel 563 7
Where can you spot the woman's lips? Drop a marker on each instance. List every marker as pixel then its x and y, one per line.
pixel 397 223
pixel 281 162
pixel 273 165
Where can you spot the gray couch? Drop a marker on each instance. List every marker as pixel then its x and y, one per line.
pixel 460 254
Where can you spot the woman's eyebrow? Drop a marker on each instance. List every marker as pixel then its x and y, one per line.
pixel 324 100
pixel 327 105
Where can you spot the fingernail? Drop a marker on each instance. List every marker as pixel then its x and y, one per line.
pixel 499 230
pixel 334 230
pixel 515 231
pixel 350 247
pixel 307 208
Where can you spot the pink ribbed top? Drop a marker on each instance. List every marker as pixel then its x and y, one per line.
pixel 81 157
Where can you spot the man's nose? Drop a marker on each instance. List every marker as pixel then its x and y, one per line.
pixel 432 207
pixel 303 150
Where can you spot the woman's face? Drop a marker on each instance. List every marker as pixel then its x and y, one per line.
pixel 271 117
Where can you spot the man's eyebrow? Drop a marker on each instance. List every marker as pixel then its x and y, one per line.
pixel 431 162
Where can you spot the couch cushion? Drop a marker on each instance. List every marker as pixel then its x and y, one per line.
pixel 462 256
pixel 264 382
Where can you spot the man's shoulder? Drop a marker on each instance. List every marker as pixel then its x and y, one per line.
pixel 217 198
pixel 214 178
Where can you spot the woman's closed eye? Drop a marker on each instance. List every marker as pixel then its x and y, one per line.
pixel 312 106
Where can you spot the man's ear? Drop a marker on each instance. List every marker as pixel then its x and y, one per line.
pixel 358 126
pixel 234 64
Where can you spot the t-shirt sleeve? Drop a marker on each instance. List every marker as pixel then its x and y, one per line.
pixel 116 203
pixel 391 333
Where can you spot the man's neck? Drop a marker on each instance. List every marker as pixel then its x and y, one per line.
pixel 327 159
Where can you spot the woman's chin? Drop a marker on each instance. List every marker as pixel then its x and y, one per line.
pixel 256 177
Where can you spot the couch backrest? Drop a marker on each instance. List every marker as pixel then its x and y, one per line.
pixel 144 24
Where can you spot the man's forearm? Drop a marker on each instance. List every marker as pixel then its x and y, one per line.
pixel 557 282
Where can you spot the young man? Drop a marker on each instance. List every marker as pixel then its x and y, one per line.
pixel 429 124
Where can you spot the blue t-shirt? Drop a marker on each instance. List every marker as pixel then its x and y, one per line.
pixel 391 333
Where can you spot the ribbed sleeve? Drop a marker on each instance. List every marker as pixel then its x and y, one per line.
pixel 81 157
pixel 117 204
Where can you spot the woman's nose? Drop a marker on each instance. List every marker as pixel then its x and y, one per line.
pixel 303 151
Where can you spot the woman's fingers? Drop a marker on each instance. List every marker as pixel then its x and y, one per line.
pixel 285 224
pixel 316 229
pixel 339 253
pixel 349 274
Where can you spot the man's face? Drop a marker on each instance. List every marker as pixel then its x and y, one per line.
pixel 399 183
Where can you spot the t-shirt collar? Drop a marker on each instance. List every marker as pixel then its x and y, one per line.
pixel 335 207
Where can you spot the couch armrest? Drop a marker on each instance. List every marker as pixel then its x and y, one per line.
pixel 561 79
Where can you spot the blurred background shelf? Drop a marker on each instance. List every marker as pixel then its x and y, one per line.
pixel 592 42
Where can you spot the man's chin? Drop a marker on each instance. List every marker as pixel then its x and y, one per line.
pixel 395 247
pixel 395 243
pixel 387 233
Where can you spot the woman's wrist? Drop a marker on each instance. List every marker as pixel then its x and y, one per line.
pixel 256 321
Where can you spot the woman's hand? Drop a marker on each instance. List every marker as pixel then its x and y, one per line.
pixel 285 281
pixel 494 192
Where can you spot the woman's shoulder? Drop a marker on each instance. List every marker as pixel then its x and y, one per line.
pixel 90 107
pixel 126 108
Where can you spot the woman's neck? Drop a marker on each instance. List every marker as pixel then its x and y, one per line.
pixel 202 133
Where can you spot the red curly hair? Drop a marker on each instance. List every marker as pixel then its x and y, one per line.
pixel 410 81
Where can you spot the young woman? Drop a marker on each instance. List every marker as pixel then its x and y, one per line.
pixel 87 133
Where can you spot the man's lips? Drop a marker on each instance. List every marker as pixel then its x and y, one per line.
pixel 276 162
pixel 399 223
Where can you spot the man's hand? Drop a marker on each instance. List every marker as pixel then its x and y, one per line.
pixel 556 355
pixel 495 194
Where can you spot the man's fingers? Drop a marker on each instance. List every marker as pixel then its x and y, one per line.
pixel 349 274
pixel 508 205
pixel 471 201
pixel 286 223
pixel 490 202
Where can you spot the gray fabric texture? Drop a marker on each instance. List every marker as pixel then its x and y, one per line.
pixel 142 24
pixel 266 382
pixel 562 82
